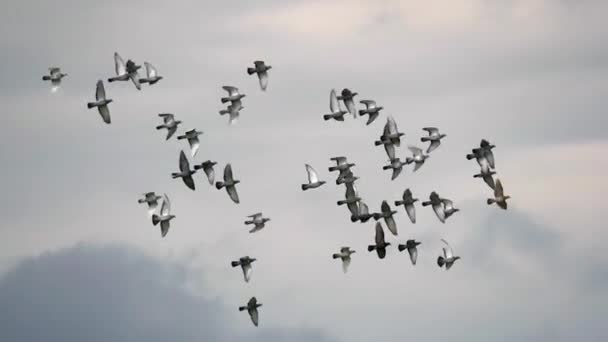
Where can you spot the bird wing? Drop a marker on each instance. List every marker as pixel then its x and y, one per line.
pixel 415 150
pixel 104 111
pixel 54 71
pixel 246 272
pixel 396 172
pixel 233 194
pixel 439 211
pixel 498 191
pixel 350 106
pixel 167 117
pixel 164 228
pixel 447 204
pixel 413 254
pixel 333 101
pixel 345 263
pixel 363 208
pixel 379 234
pixel 194 144
pixel 150 70
pixel 184 165
pixel 448 252
pixel 263 77
pixel 119 65
pixel 434 144
pixel 390 150
pixel 417 166
pixel 431 130
pixel 210 172
pixel 392 125
pixel 134 76
pixel 339 160
pixel 312 174
pixel 253 313
pixel 232 91
pixel 353 207
pixel 165 208
pixel 171 130
pixel 489 155
pixel 392 226
pixel 489 180
pixel 228 173
pixel 411 212
pixel 189 181
pixel 100 91
pixel 255 216
pixel 369 104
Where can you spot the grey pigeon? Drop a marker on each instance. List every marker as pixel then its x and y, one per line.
pixel 499 196
pixel 437 204
pixel 448 207
pixel 169 123
pixel 341 164
pixel 229 183
pixel 151 199
pixel 448 259
pixel 345 253
pixel 55 75
pixel 125 72
pixel 207 167
pixel 313 179
pixel 396 165
pixel 252 309
pixel 151 75
pixel 234 111
pixel 165 216
pixel 261 69
pixel 348 97
pixel 434 137
pixel 483 153
pixel 381 244
pixel 184 171
pixel 233 95
pixel 390 134
pixel 411 246
pixel 351 199
pixel 258 221
pixel 371 110
pixel 363 215
pixel 101 102
pixel 486 174
pixel 387 214
pixel 408 203
pixel 245 263
pixel 334 106
pixel 418 157
pixel 346 177
pixel 192 136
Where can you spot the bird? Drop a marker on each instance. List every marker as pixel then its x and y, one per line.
pixel 346 176
pixel 390 133
pixel 347 97
pixel 341 164
pixel 229 183
pixel 207 167
pixel 261 69
pixel 499 197
pixel 184 171
pixel 125 72
pixel 418 157
pixel 151 199
pixel 55 75
pixel 234 110
pixel 233 95
pixel 483 154
pixel 101 102
pixel 396 165
pixel 169 123
pixel 345 253
pixel 165 216
pixel 486 174
pixel 151 75
pixel 448 259
pixel 252 308
pixel 363 215
pixel 371 110
pixel 192 136
pixel 258 220
pixel 411 246
pixel 387 214
pixel 434 137
pixel 448 207
pixel 408 203
pixel 313 179
pixel 380 245
pixel 351 199
pixel 437 204
pixel 245 263
pixel 334 106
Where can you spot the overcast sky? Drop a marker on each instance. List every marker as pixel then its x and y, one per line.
pixel 80 259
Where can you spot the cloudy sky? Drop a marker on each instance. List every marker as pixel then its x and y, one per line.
pixel 80 260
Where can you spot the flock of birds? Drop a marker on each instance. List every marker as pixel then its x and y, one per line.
pixel 359 211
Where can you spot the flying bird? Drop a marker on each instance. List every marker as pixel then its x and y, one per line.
pixel 418 157
pixel 234 111
pixel 387 214
pixel 165 216
pixel 192 136
pixel 207 167
pixel 346 177
pixel 184 171
pixel 396 165
pixel 483 153
pixel 448 207
pixel 486 174
pixel 261 69
pixel 233 95
pixel 347 97
pixel 229 183
pixel 252 309
pixel 334 106
pixel 258 221
pixel 363 215
pixel 101 102
pixel 151 75
pixel 351 199
pixel 55 75
pixel 313 179
pixel 125 72
pixel 408 203
pixel 437 204
pixel 499 197
pixel 151 199
pixel 341 164
pixel 411 246
pixel 169 123
pixel 448 259
pixel 371 110
pixel 345 253
pixel 381 244
pixel 390 134
pixel 434 137
pixel 245 263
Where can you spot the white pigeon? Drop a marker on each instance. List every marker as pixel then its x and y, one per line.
pixel 345 253
pixel 313 179
pixel 448 259
pixel 165 216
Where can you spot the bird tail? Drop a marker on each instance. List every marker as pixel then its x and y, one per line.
pixel 362 112
pixel 224 100
pixel 250 71
pixel 332 168
pixel 354 218
pixel 141 200
pixel 398 203
pixel 401 247
pixel 440 261
pixel 219 185
pixel 470 156
pixel 155 219
pixel 160 127
pixel 371 248
pixel 326 117
pixel 386 167
pixel 424 139
pixel 248 222
pixel 477 175
pixel 181 137
pixel 174 175
pixel 198 167
pixel 110 80
pixel 235 263
pixel 46 78
pixel 335 256
pixel 491 201
pixel 341 202
pixel 409 160
pixel 90 105
pixel 424 204
pixel 242 308
pixel 224 112
pixel 305 187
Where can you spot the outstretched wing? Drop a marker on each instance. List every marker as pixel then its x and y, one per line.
pixel 184 165
pixel 165 208
pixel 439 211
pixel 104 111
pixel 369 104
pixel 448 252
pixel 100 91
pixel 415 150
pixel 150 70
pixel 234 196
pixel 411 212
pixel 232 91
pixel 119 65
pixel 263 76
pixel 379 234
pixel 413 254
pixel 333 101
pixel 498 191
pixel 312 174
pixel 431 130
pixel 228 174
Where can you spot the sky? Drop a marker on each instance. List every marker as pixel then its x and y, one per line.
pixel 80 259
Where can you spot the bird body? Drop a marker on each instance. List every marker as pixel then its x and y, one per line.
pixel 185 173
pixel 55 76
pixel 411 246
pixel 169 123
pixel 252 308
pixel 125 72
pixel 207 167
pixel 192 137
pixel 486 174
pixel 437 205
pixel 418 157
pixel 245 263
pixel 261 69
pixel 371 110
pixel 387 214
pixel 344 254
pixel 334 106
pixel 434 138
pixel 258 220
pixel 151 75
pixel 347 97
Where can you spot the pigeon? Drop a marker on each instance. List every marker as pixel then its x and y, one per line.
pixel 245 263
pixel 371 110
pixel 344 254
pixel 184 171
pixel 261 69
pixel 169 123
pixel 125 72
pixel 387 214
pixel 418 157
pixel 363 215
pixel 192 136
pixel 351 199
pixel 448 207
pixel 234 110
pixel 437 204
pixel 411 246
pixel 341 164
pixel 483 153
pixel 258 221
pixel 55 75
pixel 151 199
pixel 233 95
pixel 396 165
pixel 101 102
pixel 391 134
pixel 380 245
pixel 448 259
pixel 434 137
pixel 499 197
pixel 229 183
pixel 346 177
pixel 313 179
pixel 252 309
pixel 486 175
pixel 207 167
pixel 408 203
pixel 151 75
pixel 336 111
pixel 347 97
pixel 165 216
